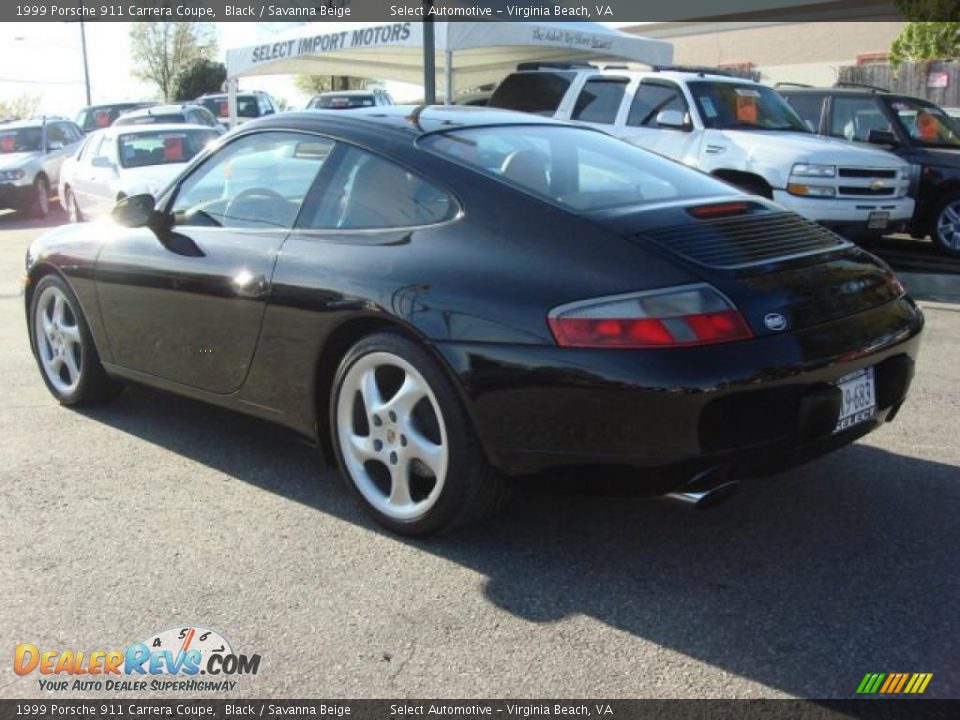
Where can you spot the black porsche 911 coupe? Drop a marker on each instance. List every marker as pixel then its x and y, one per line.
pixel 443 296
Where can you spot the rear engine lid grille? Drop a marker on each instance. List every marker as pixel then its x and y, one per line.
pixel 733 243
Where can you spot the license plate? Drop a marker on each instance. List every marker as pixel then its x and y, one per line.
pixel 859 399
pixel 878 220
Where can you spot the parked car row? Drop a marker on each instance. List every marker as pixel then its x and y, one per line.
pixel 835 170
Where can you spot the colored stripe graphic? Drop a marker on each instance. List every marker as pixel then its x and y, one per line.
pixel 894 683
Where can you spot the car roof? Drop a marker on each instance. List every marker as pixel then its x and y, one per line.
pixel 153 128
pixel 674 74
pixel 404 120
pixel 857 91
pixel 123 103
pixel 349 92
pixel 35 122
pixel 160 109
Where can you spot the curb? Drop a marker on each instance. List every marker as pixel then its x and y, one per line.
pixel 938 287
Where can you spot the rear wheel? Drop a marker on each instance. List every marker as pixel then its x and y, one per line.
pixel 946 225
pixel 63 345
pixel 404 441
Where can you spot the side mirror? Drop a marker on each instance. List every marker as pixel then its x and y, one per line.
pixel 881 137
pixel 672 119
pixel 135 211
pixel 54 145
pixel 102 162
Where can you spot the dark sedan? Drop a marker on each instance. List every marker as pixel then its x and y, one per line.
pixel 440 297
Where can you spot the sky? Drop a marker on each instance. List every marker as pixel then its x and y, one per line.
pixel 44 59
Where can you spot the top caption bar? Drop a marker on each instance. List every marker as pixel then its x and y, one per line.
pixel 464 10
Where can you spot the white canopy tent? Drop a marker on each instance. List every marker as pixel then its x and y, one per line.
pixel 469 54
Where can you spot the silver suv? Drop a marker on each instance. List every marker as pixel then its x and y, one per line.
pixel 31 153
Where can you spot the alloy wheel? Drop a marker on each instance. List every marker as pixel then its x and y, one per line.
pixel 73 210
pixel 948 226
pixel 392 436
pixel 58 342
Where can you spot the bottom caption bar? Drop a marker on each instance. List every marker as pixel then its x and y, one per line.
pixel 113 709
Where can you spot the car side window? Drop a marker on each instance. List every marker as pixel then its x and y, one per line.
pixel 258 181
pixel 652 99
pixel 853 118
pixel 809 108
pixel 367 191
pixel 89 148
pixel 56 133
pixel 599 100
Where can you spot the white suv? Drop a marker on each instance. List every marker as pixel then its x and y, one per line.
pixel 735 129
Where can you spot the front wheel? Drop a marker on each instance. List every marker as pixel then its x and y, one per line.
pixel 40 206
pixel 70 204
pixel 946 225
pixel 63 345
pixel 404 442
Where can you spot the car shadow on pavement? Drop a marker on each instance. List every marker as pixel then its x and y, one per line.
pixel 20 221
pixel 843 567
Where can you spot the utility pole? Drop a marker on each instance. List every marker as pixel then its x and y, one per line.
pixel 429 62
pixel 86 69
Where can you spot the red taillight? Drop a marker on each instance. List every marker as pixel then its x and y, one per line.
pixel 691 315
pixel 719 210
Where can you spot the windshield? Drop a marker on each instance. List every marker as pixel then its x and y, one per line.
pixel 732 106
pixel 575 167
pixel 100 117
pixel 20 140
pixel 925 123
pixel 342 101
pixel 163 147
pixel 246 106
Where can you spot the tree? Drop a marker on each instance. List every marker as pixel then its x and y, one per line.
pixel 313 84
pixel 20 107
pixel 929 10
pixel 199 77
pixel 923 41
pixel 159 50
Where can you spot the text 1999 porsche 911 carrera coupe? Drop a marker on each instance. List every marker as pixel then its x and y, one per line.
pixel 443 296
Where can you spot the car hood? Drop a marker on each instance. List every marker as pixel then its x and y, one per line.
pixel 16 160
pixel 149 179
pixel 810 148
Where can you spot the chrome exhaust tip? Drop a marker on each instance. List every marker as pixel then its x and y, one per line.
pixel 707 498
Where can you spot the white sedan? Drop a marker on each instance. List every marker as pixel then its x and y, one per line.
pixel 129 160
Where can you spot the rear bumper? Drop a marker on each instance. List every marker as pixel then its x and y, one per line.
pixel 753 405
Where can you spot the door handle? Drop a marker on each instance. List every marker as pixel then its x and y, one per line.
pixel 249 285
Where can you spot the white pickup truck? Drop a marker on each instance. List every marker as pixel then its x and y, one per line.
pixel 735 129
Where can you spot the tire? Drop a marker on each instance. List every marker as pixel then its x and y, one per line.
pixel 404 442
pixel 945 228
pixel 71 206
pixel 40 206
pixel 754 187
pixel 63 346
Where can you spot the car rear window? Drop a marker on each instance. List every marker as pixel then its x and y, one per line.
pixel 578 168
pixel 343 101
pixel 247 106
pixel 533 92
pixel 163 147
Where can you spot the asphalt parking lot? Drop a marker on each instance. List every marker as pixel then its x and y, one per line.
pixel 155 512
